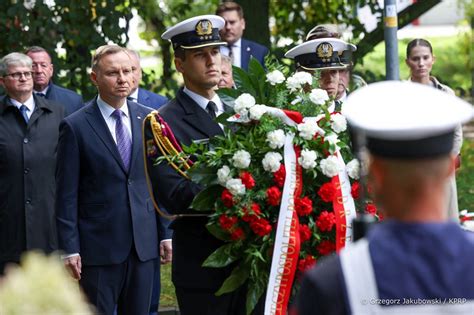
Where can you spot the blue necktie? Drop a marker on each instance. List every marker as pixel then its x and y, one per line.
pixel 41 94
pixel 24 112
pixel 124 143
pixel 211 109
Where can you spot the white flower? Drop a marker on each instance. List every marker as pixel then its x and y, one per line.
pixel 243 103
pixel 275 77
pixel 241 159
pixel 223 175
pixel 318 96
pixel 297 100
pixel 276 139
pixel 308 129
pixel 271 161
pixel 308 159
pixel 235 186
pixel 331 138
pixel 330 166
pixel 353 168
pixel 257 111
pixel 338 123
pixel 298 80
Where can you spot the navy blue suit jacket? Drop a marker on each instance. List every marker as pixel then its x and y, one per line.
pixel 151 99
pixel 250 48
pixel 103 209
pixel 67 98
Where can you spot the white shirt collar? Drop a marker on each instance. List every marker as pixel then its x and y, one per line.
pixel 29 103
pixel 134 95
pixel 202 101
pixel 238 43
pixel 107 110
pixel 44 91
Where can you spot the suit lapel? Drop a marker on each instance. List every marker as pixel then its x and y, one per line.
pixel 245 52
pixel 98 124
pixel 136 119
pixel 197 117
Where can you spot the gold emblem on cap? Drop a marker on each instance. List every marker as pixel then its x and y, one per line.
pixel 324 51
pixel 204 27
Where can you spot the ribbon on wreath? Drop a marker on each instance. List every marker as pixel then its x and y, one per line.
pixel 287 243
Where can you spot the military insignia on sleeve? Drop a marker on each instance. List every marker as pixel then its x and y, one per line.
pixel 204 27
pixel 324 51
pixel 151 149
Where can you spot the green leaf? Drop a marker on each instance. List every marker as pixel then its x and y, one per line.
pixel 254 293
pixel 222 118
pixel 242 81
pixel 202 174
pixel 218 233
pixel 223 256
pixel 238 276
pixel 206 198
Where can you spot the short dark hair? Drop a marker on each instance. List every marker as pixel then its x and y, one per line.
pixel 418 42
pixel 230 6
pixel 36 49
pixel 180 53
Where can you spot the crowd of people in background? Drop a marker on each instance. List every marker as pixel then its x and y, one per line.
pixel 73 175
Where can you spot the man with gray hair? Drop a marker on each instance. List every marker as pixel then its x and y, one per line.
pixel 29 130
pixel 139 95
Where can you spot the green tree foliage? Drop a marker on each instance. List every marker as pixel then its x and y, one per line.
pixel 73 28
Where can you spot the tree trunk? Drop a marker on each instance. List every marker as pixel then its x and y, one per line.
pixel 256 14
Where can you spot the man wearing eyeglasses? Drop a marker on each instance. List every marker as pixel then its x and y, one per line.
pixel 29 131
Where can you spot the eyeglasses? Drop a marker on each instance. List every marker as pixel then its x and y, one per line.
pixel 18 75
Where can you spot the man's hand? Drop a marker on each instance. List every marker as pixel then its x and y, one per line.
pixel 166 252
pixel 74 265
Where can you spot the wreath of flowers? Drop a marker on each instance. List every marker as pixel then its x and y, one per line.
pixel 243 174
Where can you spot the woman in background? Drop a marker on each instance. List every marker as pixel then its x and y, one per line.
pixel 420 60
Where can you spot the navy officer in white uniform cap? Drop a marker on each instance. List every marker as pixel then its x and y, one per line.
pixel 416 261
pixel 327 55
pixel 190 116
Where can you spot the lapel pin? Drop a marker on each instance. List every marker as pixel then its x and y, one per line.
pixel 139 117
pixel 248 48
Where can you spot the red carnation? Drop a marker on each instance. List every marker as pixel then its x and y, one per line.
pixel 306 263
pixel 327 192
pixel 227 223
pixel 305 233
pixel 253 214
pixel 303 206
pixel 326 221
pixel 237 234
pixel 227 198
pixel 371 209
pixel 260 226
pixel 279 176
pixel 247 180
pixel 355 190
pixel 326 247
pixel 273 196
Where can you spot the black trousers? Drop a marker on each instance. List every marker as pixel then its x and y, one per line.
pixel 127 285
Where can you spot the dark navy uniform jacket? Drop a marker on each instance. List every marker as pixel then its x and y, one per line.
pixel 410 260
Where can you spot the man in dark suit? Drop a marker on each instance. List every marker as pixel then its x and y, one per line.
pixel 239 49
pixel 29 131
pixel 191 116
pixel 138 94
pixel 44 86
pixel 107 225
pixel 155 101
pixel 416 261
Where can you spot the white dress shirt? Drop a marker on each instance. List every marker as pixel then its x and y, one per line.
pixel 30 104
pixel 106 110
pixel 202 101
pixel 236 52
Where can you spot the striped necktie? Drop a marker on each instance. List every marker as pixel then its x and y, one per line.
pixel 24 112
pixel 124 143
